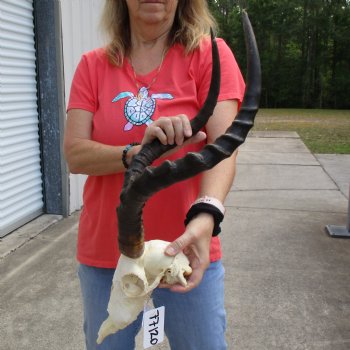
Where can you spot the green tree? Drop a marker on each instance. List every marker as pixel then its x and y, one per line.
pixel 304 48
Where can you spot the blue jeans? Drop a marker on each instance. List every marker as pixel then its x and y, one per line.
pixel 193 321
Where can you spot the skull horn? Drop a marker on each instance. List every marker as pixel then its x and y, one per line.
pixel 130 224
pixel 141 182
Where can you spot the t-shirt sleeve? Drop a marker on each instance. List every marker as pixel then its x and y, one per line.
pixel 83 90
pixel 232 85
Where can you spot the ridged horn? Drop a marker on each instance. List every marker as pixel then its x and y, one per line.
pixel 142 185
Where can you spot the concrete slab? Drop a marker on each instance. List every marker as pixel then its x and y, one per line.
pixel 25 233
pixel 274 134
pixel 328 201
pixel 304 158
pixel 276 145
pixel 310 318
pixel 282 177
pixel 286 281
pixel 256 238
pixel 337 166
pixel 40 304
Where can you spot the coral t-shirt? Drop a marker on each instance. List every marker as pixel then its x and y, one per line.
pixel 111 94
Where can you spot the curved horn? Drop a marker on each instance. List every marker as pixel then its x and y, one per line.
pixel 151 180
pixel 130 225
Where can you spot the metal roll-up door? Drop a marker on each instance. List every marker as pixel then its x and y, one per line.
pixel 21 197
pixel 80 34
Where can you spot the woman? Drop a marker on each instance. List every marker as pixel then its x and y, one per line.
pixel 148 83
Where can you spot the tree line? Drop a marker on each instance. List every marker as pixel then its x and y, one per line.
pixel 304 49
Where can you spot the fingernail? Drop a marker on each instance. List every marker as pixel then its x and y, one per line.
pixel 170 250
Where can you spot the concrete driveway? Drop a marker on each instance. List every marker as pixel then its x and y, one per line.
pixel 287 280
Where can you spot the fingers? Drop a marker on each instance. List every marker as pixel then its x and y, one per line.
pixel 195 241
pixel 178 245
pixel 199 137
pixel 192 282
pixel 195 244
pixel 169 130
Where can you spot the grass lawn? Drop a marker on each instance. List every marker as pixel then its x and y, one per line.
pixel 322 131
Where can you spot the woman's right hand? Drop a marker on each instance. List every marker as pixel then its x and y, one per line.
pixel 172 130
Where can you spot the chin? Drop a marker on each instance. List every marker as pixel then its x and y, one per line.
pixel 152 18
pixel 152 2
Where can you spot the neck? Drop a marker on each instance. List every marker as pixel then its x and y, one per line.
pixel 149 36
pixel 147 51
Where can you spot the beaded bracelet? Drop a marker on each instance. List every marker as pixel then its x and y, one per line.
pixel 125 151
pixel 205 207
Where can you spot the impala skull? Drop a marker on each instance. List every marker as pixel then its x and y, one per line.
pixel 134 281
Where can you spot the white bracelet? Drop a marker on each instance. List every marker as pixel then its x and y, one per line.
pixel 213 201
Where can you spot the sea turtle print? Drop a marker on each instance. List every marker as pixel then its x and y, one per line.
pixel 139 109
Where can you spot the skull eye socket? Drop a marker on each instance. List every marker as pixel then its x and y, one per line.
pixel 132 285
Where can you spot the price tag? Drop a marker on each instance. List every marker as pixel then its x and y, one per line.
pixel 153 327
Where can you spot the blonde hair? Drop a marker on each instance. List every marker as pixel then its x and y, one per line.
pixel 192 22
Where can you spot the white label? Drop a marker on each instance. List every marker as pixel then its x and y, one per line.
pixel 153 327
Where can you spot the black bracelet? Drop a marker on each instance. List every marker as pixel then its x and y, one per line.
pixel 206 208
pixel 125 151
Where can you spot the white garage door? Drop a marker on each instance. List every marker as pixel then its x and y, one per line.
pixel 20 173
pixel 80 33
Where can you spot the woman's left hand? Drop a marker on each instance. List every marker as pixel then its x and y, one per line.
pixel 175 130
pixel 195 244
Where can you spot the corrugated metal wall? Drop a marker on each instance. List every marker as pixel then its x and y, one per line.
pixel 80 20
pixel 20 172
